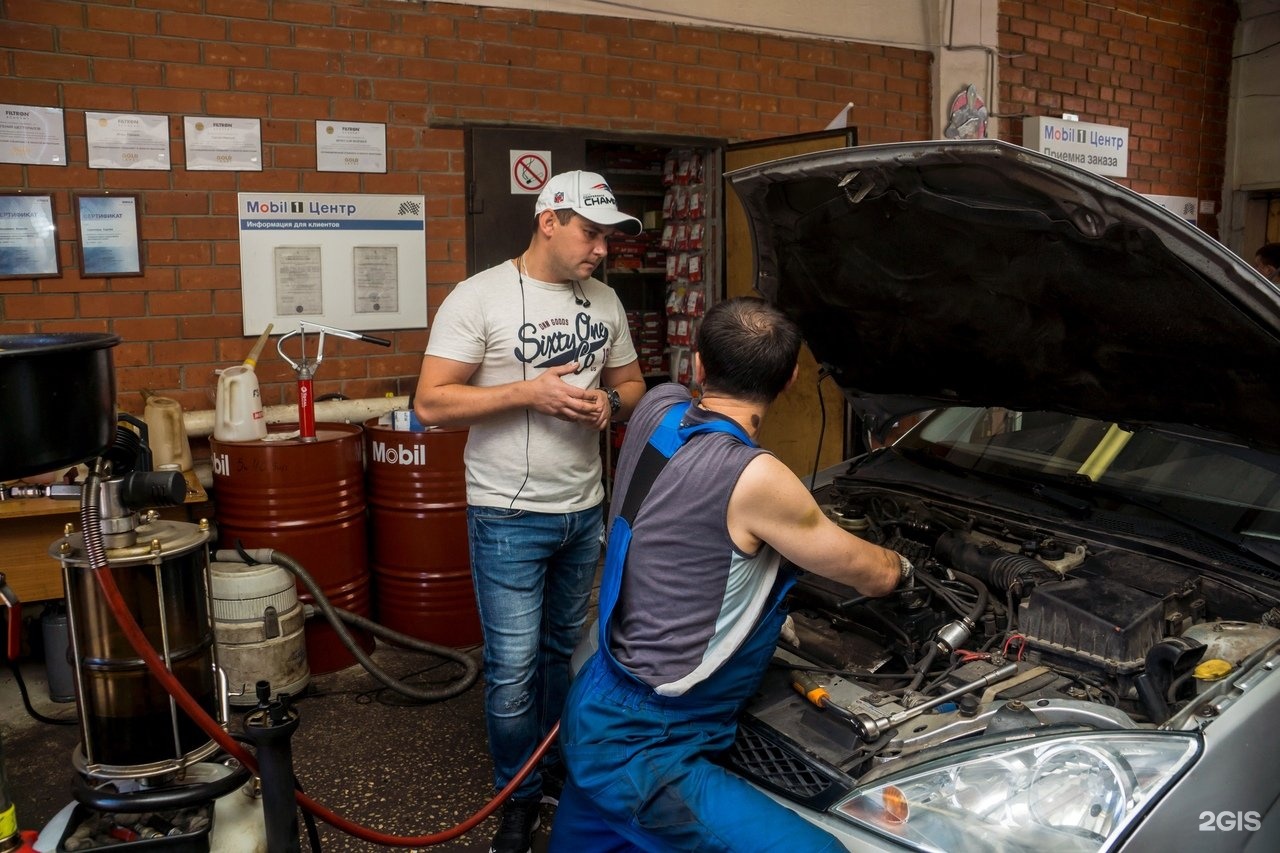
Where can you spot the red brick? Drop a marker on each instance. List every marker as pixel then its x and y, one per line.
pixel 199 28
pixel 111 304
pixel 26 37
pixel 182 302
pixel 27 64
pixel 61 14
pixel 117 20
pixel 93 43
pixel 172 253
pixel 302 13
pixel 259 32
pixel 166 49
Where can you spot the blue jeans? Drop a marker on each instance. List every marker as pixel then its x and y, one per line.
pixel 533 574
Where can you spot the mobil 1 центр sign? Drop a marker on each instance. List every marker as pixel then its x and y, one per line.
pixel 1099 148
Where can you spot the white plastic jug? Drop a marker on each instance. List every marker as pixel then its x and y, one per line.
pixel 167 433
pixel 238 406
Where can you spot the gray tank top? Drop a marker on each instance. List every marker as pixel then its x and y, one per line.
pixel 689 597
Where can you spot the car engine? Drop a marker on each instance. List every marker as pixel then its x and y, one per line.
pixel 1006 627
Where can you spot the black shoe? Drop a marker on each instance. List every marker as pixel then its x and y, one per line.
pixel 519 822
pixel 552 784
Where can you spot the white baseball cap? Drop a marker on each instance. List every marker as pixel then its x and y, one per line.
pixel 588 195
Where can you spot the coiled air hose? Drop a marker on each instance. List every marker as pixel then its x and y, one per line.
pixel 336 617
pixel 90 520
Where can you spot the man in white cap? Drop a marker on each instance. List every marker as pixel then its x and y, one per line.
pixel 534 356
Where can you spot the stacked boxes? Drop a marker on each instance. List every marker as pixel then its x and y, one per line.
pixel 648 332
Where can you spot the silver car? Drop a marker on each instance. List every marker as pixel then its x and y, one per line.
pixel 1074 398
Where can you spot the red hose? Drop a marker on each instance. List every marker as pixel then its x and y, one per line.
pixel 129 626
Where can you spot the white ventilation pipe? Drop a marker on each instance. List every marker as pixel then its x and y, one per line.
pixel 200 424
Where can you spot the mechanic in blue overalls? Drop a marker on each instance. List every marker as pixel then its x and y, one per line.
pixel 691 607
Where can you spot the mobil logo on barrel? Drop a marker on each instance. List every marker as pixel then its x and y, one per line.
pixel 418 546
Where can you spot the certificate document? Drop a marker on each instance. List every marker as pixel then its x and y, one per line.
pixel 127 141
pixel 377 279
pixel 298 281
pixel 28 238
pixel 32 135
pixel 351 146
pixel 109 243
pixel 223 144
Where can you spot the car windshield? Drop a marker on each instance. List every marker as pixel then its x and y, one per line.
pixel 1225 487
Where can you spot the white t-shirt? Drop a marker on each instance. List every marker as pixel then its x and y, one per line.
pixel 524 459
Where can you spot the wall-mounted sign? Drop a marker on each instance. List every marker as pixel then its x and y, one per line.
pixel 1099 148
pixel 127 141
pixel 32 135
pixel 356 262
pixel 351 146
pixel 109 233
pixel 968 115
pixel 529 171
pixel 28 236
pixel 1182 206
pixel 222 144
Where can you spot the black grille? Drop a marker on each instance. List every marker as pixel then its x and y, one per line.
pixel 781 768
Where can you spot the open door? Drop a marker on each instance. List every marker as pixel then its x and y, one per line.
pixel 796 423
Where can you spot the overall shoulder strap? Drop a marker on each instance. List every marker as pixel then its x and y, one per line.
pixel 671 434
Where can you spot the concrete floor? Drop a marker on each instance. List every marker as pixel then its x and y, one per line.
pixel 401 769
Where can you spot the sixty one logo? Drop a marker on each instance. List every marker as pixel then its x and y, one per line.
pixel 561 340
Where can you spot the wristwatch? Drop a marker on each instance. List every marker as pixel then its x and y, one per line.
pixel 907 570
pixel 615 400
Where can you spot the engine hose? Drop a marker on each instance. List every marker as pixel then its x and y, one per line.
pixel 471 670
pixel 1003 570
pixel 922 668
pixel 92 530
pixel 979 606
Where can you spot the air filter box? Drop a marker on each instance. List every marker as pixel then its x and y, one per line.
pixel 1094 620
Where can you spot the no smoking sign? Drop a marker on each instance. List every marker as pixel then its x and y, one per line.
pixel 529 171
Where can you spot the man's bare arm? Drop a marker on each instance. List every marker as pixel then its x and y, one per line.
pixel 771 505
pixel 628 381
pixel 444 398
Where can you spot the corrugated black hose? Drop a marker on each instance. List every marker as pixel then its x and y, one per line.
pixel 336 616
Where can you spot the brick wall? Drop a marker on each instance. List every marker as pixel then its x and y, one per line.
pixel 1158 67
pixel 425 70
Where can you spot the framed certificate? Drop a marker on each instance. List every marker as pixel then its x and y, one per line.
pixel 28 236
pixel 109 232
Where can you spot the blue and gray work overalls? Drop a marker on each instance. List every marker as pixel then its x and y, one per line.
pixel 640 764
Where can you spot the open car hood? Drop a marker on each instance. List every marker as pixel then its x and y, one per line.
pixel 977 272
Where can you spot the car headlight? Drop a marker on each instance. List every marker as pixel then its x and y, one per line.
pixel 1065 793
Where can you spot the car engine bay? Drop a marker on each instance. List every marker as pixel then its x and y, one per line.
pixel 1006 627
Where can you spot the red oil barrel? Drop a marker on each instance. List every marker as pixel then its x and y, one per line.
pixel 307 500
pixel 418 534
